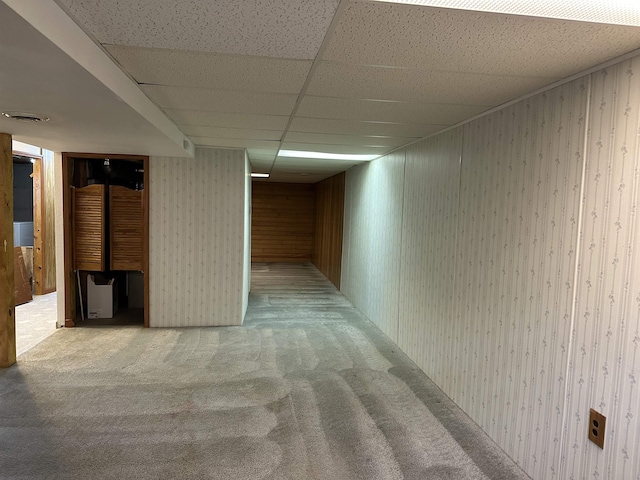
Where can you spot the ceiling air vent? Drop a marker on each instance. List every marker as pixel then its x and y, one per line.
pixel 25 117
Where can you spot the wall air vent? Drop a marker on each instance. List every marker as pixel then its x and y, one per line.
pixel 25 117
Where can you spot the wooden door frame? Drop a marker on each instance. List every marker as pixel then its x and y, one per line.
pixel 7 282
pixel 70 286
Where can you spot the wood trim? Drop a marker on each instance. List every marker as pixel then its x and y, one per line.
pixel 112 156
pixel 145 240
pixel 70 287
pixel 7 281
pixel 39 227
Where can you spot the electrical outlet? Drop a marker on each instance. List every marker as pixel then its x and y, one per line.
pixel 597 423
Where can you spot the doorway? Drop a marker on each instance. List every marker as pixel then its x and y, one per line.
pixel 34 245
pixel 106 239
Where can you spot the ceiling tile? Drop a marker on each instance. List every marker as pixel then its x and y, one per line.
pixel 375 33
pixel 412 85
pixel 354 127
pixel 239 133
pixel 326 148
pixel 262 152
pixel 211 70
pixel 402 112
pixel 312 165
pixel 269 28
pixel 333 139
pixel 220 100
pixel 285 177
pixel 228 120
pixel 234 143
pixel 260 165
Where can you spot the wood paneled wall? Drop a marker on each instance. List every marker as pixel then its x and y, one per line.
pixel 327 253
pixel 283 222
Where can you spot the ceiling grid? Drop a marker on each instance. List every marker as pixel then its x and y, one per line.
pixel 350 77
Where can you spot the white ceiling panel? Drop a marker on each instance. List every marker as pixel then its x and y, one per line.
pixel 220 100
pixel 239 133
pixel 312 165
pixel 260 165
pixel 427 86
pixel 374 33
pixel 285 177
pixel 228 120
pixel 352 127
pixel 268 28
pixel 326 148
pixel 334 139
pixel 262 152
pixel 401 112
pixel 234 143
pixel 211 70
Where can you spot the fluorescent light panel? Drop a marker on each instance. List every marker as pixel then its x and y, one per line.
pixel 260 175
pixel 616 12
pixel 326 156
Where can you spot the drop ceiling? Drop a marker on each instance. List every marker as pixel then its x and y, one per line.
pixel 341 77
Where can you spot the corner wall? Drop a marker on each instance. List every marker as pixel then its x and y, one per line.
pixel 501 276
pixel 197 239
pixel 327 252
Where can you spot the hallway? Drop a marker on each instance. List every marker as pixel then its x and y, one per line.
pixel 307 388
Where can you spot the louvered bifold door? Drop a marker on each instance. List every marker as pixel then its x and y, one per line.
pixel 125 228
pixel 89 228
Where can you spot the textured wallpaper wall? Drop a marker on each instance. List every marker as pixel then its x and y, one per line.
pixel 196 239
pixel 372 232
pixel 517 288
pixel 429 231
pixel 604 362
pixel 518 227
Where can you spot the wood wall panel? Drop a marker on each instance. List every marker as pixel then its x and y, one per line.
pixel 283 222
pixel 7 288
pixel 327 254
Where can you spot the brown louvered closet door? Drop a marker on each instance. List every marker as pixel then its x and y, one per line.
pixel 89 228
pixel 125 228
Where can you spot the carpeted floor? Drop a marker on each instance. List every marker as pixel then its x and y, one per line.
pixel 307 389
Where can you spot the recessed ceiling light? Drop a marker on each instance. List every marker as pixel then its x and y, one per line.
pixel 25 117
pixel 260 175
pixel 616 12
pixel 325 156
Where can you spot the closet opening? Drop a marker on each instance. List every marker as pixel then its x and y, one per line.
pixel 106 225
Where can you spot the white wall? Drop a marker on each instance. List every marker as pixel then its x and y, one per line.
pixel 59 223
pixel 197 239
pixel 372 232
pixel 246 277
pixel 483 273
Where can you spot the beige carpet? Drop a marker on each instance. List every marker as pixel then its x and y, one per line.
pixel 307 389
